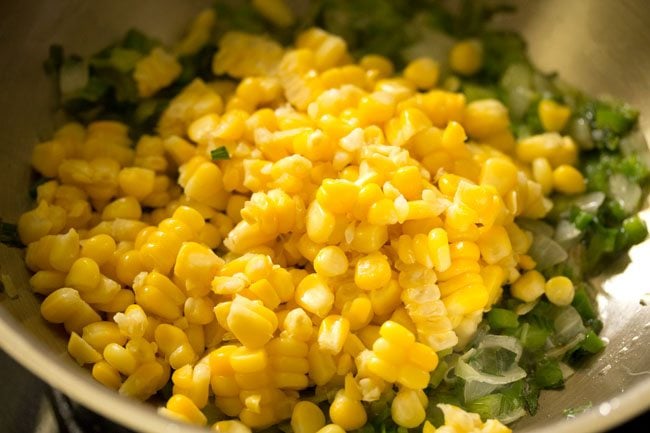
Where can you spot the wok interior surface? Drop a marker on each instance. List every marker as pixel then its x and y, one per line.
pixel 598 45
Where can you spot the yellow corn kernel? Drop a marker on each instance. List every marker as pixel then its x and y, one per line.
pixel 298 324
pixel 528 287
pixel 81 351
pixel 196 265
pixel 320 223
pixel 98 248
pixel 199 310
pixel 155 71
pixel 331 428
pixel 106 375
pixel 251 322
pixel 500 173
pixel 381 64
pixel 314 295
pixel 332 334
pixel 45 282
pixel 276 11
pixel 494 244
pixel 466 300
pixel 423 72
pixel 337 195
pixel 560 291
pixel 100 334
pixel 136 181
pixel 382 213
pixel 369 238
pixel 321 365
pixel 401 128
pixel 66 306
pixel 231 426
pixel 372 271
pixel 358 312
pixel 331 261
pixel 244 360
pixel 47 157
pixel 466 57
pixel 485 117
pixel 185 407
pixel 568 180
pixel 543 174
pixel 438 245
pixel 173 342
pixel 132 322
pixel 307 417
pixel 347 412
pixel 553 116
pixel 385 299
pixel 84 275
pixel 407 409
pixel 120 358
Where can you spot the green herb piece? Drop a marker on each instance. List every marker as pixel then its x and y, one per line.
pixel 592 343
pixel 219 153
pixel 500 318
pixel 582 303
pixel 549 375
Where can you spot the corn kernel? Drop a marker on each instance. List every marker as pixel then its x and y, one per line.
pixel 529 286
pixel 553 116
pixel 568 180
pixel 560 291
pixel 466 57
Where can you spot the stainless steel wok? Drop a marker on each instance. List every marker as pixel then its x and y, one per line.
pixel 599 45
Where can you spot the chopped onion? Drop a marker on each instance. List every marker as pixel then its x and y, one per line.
pixel 625 192
pixel 536 226
pixel 474 389
pixel 566 233
pixel 590 202
pixel 546 252
pixel 568 324
pixel 512 415
pixel 526 307
pixel 567 371
pixel 468 373
pixel 505 341
pixel 581 132
pixel 635 144
pixel 516 75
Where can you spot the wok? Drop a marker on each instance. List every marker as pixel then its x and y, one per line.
pixel 599 45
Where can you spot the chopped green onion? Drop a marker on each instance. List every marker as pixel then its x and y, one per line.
pixel 533 337
pixel 549 375
pixel 219 153
pixel 500 318
pixel 592 343
pixel 582 303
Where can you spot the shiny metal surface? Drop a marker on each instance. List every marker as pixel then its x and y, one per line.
pixel 599 45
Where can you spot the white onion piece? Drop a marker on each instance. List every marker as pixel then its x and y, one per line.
pixel 625 192
pixel 474 389
pixel 512 416
pixel 567 371
pixel 568 324
pixel 504 341
pixel 546 252
pixel 566 233
pixel 467 372
pixel 590 202
pixel 536 226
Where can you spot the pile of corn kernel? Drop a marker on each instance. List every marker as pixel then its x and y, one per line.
pixel 352 234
